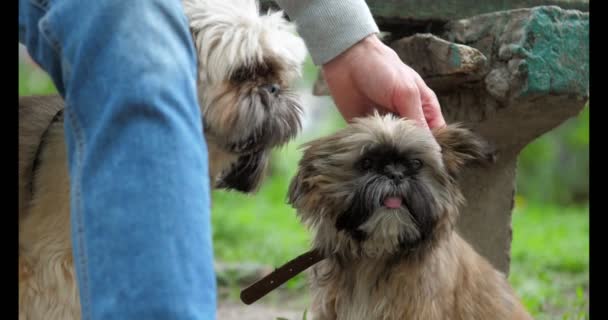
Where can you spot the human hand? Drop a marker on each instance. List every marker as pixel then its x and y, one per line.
pixel 370 75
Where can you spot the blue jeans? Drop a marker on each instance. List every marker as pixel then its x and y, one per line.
pixel 140 198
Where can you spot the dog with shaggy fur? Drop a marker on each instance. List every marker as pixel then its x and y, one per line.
pixel 381 198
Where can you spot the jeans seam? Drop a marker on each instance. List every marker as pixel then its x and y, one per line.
pixel 77 213
pixel 45 31
pixel 47 34
pixel 41 4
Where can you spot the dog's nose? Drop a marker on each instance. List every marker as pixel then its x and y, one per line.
pixel 395 172
pixel 396 176
pixel 272 88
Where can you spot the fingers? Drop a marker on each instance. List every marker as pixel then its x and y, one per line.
pixel 430 105
pixel 407 101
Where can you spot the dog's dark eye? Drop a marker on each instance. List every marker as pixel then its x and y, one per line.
pixel 415 164
pixel 366 164
pixel 272 88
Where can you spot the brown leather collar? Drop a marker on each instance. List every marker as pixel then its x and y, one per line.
pixel 279 276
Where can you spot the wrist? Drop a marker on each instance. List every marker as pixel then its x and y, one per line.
pixel 355 53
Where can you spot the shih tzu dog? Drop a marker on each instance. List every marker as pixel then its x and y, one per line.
pixel 247 65
pixel 381 197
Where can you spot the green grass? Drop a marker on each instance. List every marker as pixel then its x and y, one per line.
pixel 34 81
pixel 550 260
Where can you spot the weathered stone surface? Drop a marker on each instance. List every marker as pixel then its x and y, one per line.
pixel 486 219
pixel 543 50
pixel 535 77
pixel 439 62
pixel 538 78
pixel 391 11
pixel 392 15
pixel 543 64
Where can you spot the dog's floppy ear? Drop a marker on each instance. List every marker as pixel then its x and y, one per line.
pixel 305 189
pixel 461 147
pixel 299 194
pixel 246 174
pixel 299 186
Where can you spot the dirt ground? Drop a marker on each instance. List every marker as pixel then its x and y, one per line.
pixel 284 304
pixel 230 310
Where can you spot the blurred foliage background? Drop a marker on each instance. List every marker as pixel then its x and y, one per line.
pixel 550 250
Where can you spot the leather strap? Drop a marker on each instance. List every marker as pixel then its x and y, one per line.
pixel 279 276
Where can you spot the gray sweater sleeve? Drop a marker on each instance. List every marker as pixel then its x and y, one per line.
pixel 329 27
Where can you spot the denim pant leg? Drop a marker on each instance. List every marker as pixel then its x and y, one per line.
pixel 140 198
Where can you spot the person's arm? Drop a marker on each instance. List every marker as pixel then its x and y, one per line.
pixel 361 72
pixel 329 27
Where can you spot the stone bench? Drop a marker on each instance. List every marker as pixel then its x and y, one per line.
pixel 509 70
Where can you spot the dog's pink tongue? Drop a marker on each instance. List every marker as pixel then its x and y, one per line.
pixel 392 202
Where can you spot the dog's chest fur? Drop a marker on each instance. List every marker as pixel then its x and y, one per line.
pixel 371 289
pixel 444 284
